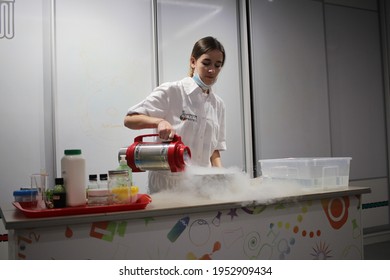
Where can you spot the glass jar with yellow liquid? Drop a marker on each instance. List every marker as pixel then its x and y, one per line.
pixel 120 187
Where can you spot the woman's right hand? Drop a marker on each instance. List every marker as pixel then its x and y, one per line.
pixel 165 130
pixel 139 121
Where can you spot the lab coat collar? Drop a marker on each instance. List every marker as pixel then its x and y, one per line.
pixel 191 87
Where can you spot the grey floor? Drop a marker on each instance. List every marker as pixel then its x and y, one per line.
pixel 377 251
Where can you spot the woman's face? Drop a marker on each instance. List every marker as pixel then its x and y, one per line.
pixel 208 66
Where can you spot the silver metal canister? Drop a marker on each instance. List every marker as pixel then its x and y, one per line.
pixel 142 156
pixel 152 156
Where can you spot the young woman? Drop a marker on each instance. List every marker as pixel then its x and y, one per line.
pixel 188 108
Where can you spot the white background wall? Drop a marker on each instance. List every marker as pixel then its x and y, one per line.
pixel 104 62
pixel 22 108
pixel 72 90
pixel 318 88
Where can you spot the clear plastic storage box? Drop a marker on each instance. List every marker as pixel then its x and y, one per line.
pixel 310 173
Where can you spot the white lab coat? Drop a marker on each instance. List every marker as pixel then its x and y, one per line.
pixel 197 117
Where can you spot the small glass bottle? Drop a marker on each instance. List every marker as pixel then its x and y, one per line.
pixel 119 186
pixel 59 193
pixel 92 181
pixel 97 194
pixel 92 186
pixel 103 181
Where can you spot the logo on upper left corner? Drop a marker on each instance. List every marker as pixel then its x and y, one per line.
pixel 7 30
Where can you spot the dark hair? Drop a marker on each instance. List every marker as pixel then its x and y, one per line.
pixel 205 45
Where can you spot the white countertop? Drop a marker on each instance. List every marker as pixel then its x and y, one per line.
pixel 166 203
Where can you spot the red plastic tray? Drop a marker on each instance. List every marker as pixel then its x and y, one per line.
pixel 141 203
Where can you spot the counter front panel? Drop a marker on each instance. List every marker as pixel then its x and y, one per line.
pixel 323 228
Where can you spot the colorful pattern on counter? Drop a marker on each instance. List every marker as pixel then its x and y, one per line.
pixel 320 229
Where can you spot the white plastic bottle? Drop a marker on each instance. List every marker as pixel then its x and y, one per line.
pixel 74 173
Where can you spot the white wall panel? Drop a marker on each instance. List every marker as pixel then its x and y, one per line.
pixel 22 146
pixel 104 66
pixel 180 25
pixel 291 113
pixel 357 102
pixel 356 90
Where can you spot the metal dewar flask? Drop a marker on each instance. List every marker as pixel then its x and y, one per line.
pixel 164 155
